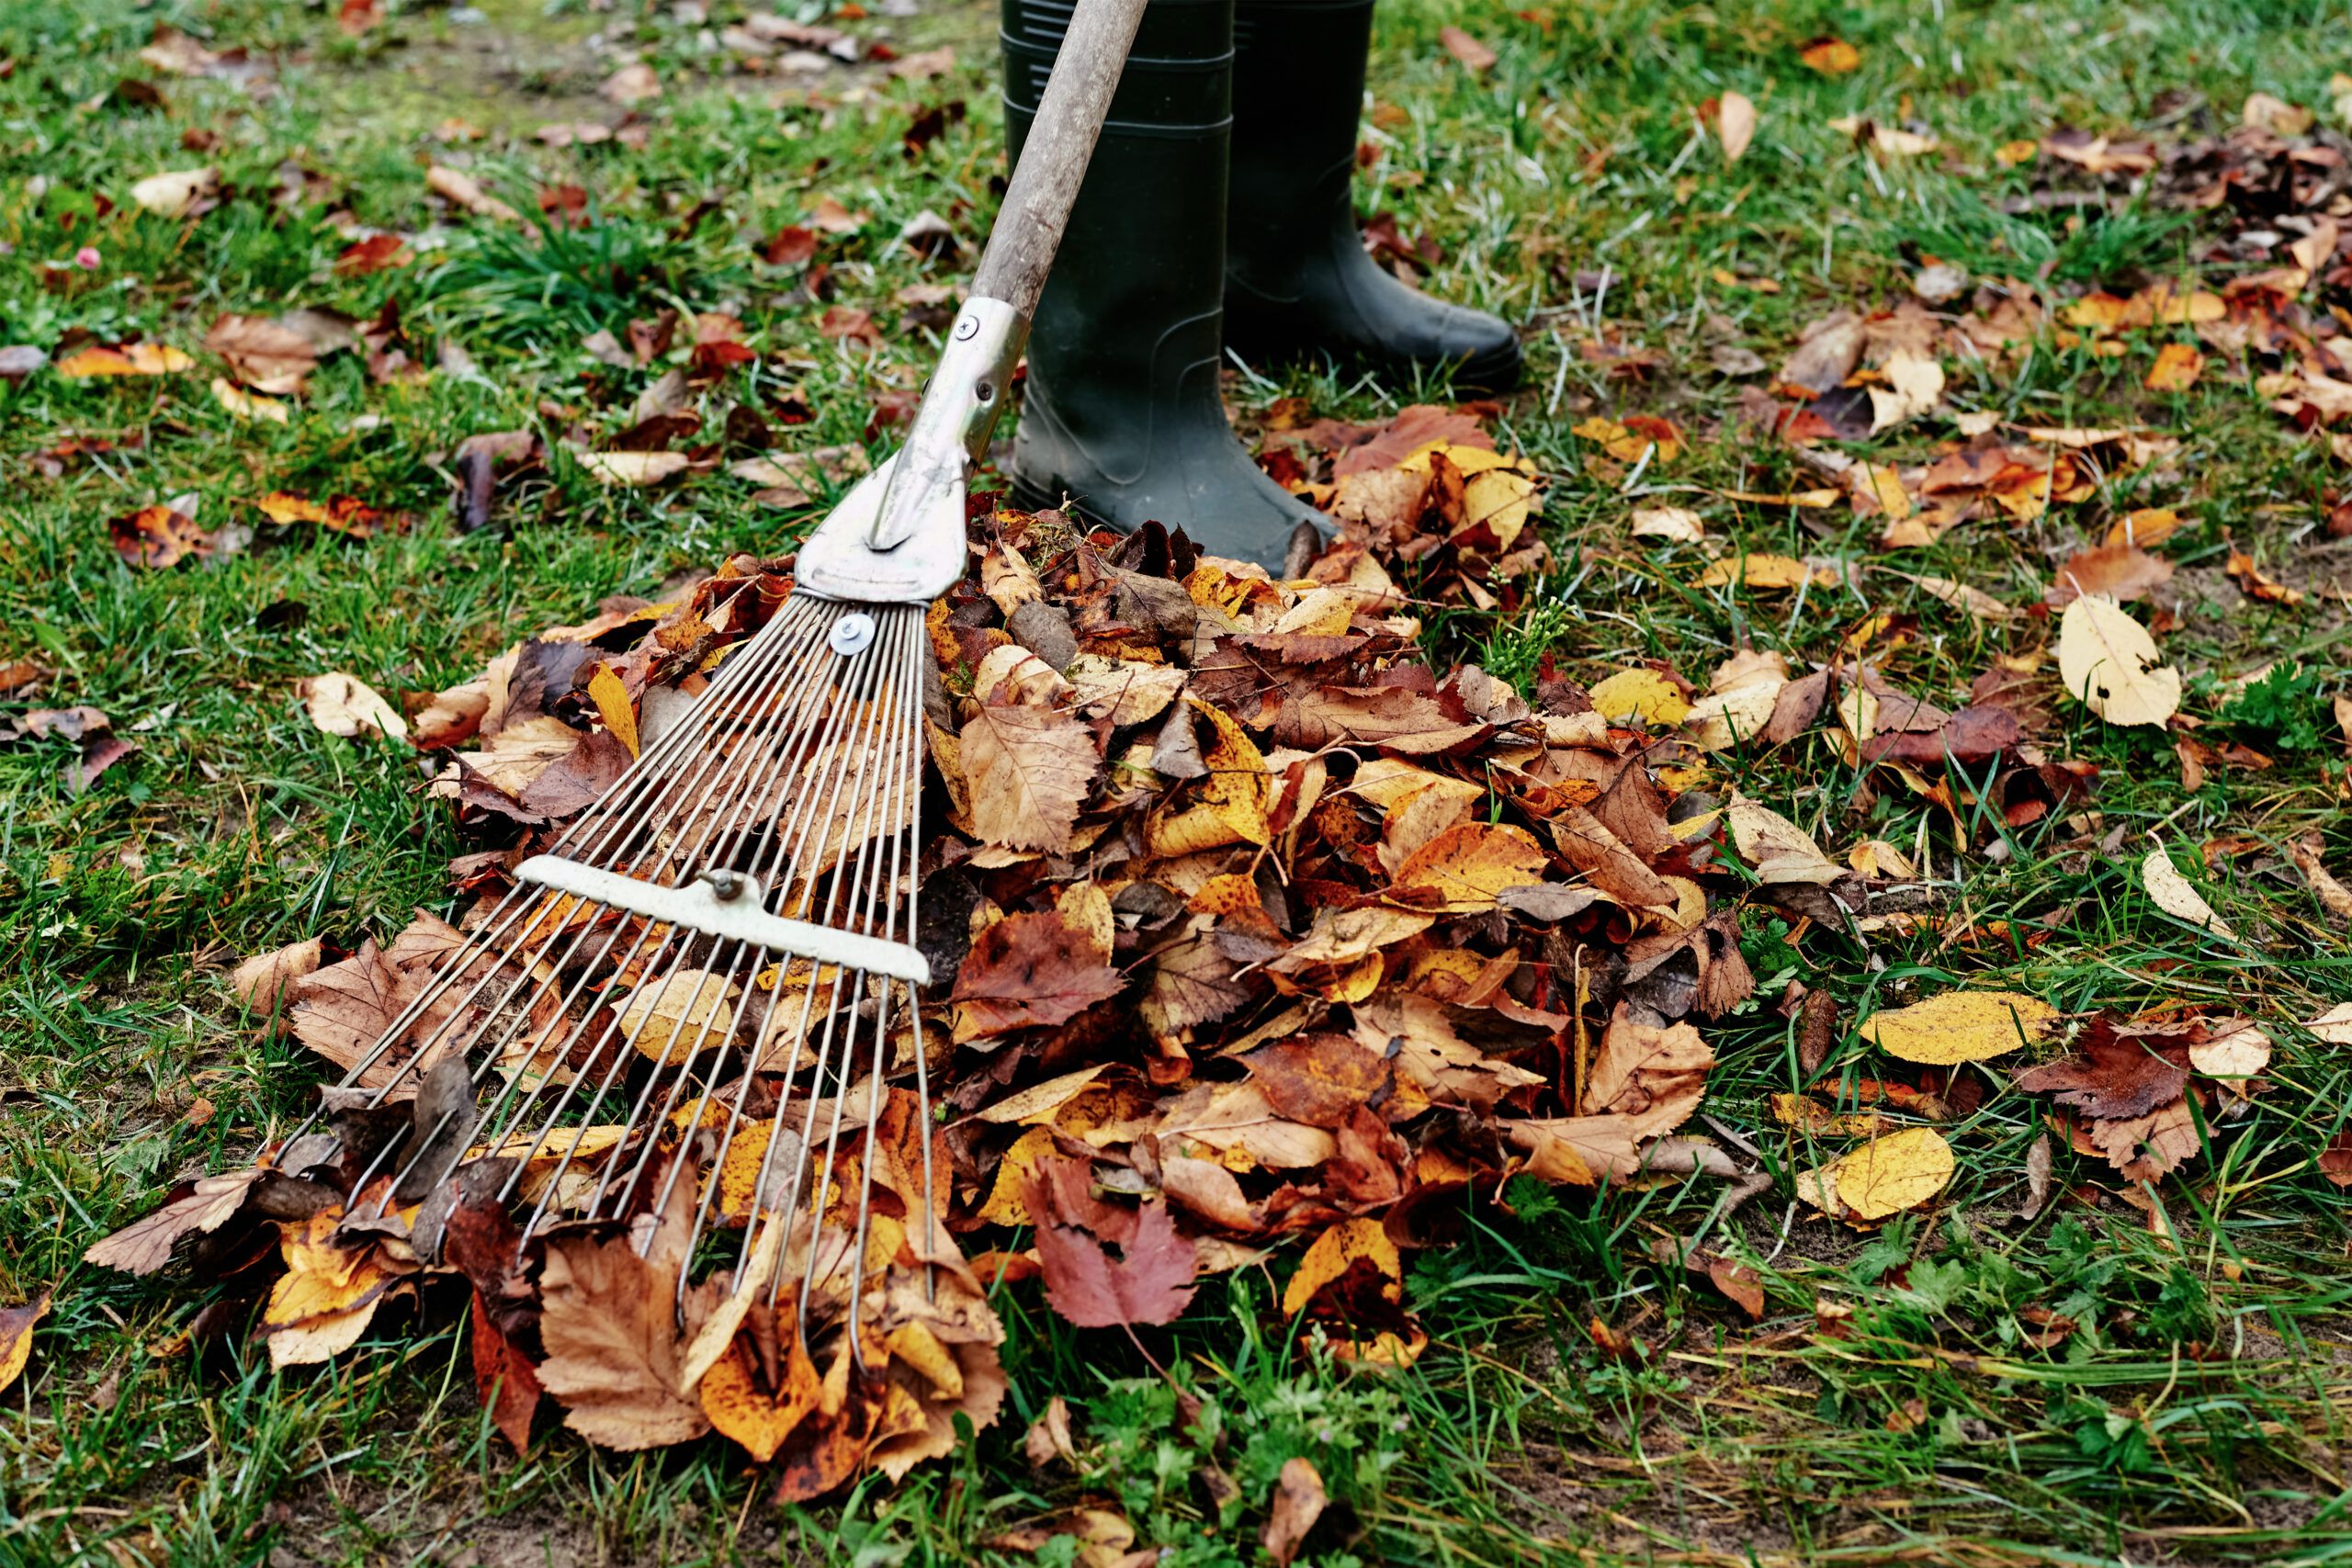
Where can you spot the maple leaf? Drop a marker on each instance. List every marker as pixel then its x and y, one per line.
pixel 1150 1283
pixel 1028 770
pixel 2117 1076
pixel 614 1347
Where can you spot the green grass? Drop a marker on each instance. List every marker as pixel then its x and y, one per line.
pixel 2195 1414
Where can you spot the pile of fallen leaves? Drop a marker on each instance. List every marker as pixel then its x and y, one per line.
pixel 1245 924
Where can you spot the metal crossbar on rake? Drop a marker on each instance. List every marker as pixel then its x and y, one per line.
pixel 744 898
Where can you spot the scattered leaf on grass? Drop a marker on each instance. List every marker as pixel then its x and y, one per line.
pixel 1830 56
pixel 247 405
pixel 1474 55
pixel 634 468
pixel 2175 896
pixel 1299 1501
pixel 2177 369
pixel 130 359
pixel 157 536
pixel 344 704
pixel 177 193
pixel 1735 124
pixel 2109 663
pixel 1960 1026
pixel 17 1337
pixel 1883 1177
pixel 1679 523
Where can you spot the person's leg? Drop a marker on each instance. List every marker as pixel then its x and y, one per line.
pixel 1298 283
pixel 1120 413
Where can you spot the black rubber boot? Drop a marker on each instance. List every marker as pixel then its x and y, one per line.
pixel 1298 283
pixel 1121 414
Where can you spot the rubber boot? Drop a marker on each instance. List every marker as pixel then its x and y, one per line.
pixel 1299 282
pixel 1121 414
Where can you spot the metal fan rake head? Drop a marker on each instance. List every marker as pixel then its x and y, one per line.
pixel 714 960
pixel 732 923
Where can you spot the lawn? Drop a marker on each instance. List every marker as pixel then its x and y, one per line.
pixel 2044 1361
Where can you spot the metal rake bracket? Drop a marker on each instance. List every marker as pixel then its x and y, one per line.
pixel 732 905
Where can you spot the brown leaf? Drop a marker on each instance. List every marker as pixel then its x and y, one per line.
pixel 269 357
pixel 146 1245
pixel 2119 570
pixel 1298 1502
pixel 2117 1075
pixel 1474 55
pixel 1651 1077
pixel 1025 970
pixel 1737 1281
pixel 1049 1437
pixel 344 704
pixel 157 536
pixel 613 1346
pixel 264 981
pixel 1029 771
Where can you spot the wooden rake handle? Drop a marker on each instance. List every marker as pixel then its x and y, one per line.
pixel 1045 185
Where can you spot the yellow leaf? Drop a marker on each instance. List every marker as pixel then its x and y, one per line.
pixel 1004 1205
pixel 610 694
pixel 17 1337
pixel 2109 663
pixel 1960 1026
pixel 2148 526
pixel 1038 1103
pixel 1831 56
pixel 1237 786
pixel 688 1012
pixel 1501 498
pixel 242 404
pixel 2177 369
pixel 281 506
pixel 1644 694
pixel 1331 1254
pixel 130 359
pixel 1755 572
pixel 1461 870
pixel 2009 155
pixel 760 1420
pixel 1884 1177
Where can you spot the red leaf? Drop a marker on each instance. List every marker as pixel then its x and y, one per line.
pixel 1151 1281
pixel 505 1379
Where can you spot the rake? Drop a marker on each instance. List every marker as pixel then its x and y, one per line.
pixel 722 945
